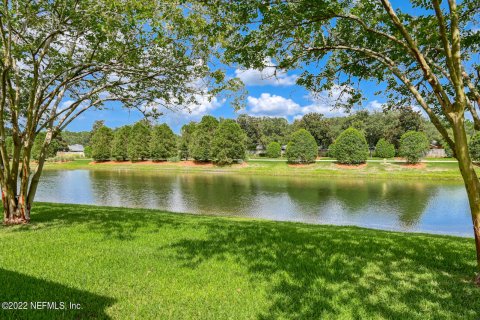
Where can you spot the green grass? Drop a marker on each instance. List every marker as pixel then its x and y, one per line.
pixel 389 170
pixel 145 264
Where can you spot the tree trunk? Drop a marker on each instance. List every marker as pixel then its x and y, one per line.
pixel 472 184
pixel 15 209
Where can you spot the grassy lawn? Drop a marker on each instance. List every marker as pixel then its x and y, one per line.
pixel 144 264
pixel 445 170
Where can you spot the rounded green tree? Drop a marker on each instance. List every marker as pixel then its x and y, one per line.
pixel 202 139
pixel 413 146
pixel 229 143
pixel 163 143
pixel 120 143
pixel 474 147
pixel 274 150
pixel 101 144
pixel 302 147
pixel 350 147
pixel 139 141
pixel 384 149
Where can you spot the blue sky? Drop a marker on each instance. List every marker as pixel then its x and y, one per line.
pixel 267 96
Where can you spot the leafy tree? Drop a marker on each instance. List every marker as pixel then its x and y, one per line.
pixel 202 139
pixel 413 146
pixel 301 148
pixel 251 126
pixel 185 141
pixel 263 130
pixel 62 58
pixel 88 151
pixel 474 146
pixel 56 145
pixel 318 126
pixel 120 143
pixel 350 147
pixel 101 144
pixel 228 144
pixel 274 150
pixel 426 51
pixel 163 143
pixel 81 137
pixel 273 129
pixel 139 141
pixel 384 149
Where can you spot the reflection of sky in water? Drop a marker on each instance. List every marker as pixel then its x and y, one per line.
pixel 393 205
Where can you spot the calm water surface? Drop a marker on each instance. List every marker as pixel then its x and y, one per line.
pixel 434 207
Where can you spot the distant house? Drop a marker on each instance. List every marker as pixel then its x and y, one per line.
pixel 75 151
pixel 76 148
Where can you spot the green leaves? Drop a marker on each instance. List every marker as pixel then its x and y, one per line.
pixel 413 146
pixel 350 147
pixel 301 148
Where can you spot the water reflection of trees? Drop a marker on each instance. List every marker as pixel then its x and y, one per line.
pixel 406 200
pixel 132 189
pixel 217 193
pixel 290 197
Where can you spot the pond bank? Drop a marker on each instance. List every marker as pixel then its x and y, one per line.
pixel 148 264
pixel 447 170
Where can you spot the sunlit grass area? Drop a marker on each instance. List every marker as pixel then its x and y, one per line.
pixel 381 170
pixel 145 264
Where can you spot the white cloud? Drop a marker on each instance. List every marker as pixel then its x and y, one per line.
pixel 375 105
pixel 269 75
pixel 324 102
pixel 202 107
pixel 272 105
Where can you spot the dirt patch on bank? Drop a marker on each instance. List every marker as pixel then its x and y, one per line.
pixel 413 165
pixel 301 165
pixel 350 166
pixel 188 163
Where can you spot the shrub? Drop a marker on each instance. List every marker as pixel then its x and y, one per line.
pixel 302 147
pixel 384 149
pixel 474 147
pixel 163 143
pixel 350 147
pixel 101 141
pixel 229 143
pixel 274 150
pixel 413 146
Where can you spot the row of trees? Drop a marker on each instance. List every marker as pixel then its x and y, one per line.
pixel 389 125
pixel 351 147
pixel 225 141
pixel 222 142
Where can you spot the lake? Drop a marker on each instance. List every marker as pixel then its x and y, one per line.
pixel 419 206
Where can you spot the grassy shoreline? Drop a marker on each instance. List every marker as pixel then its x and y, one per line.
pixel 148 264
pixel 377 169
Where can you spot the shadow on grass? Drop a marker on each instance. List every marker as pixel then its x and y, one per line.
pixel 113 222
pixel 310 271
pixel 16 287
pixel 319 272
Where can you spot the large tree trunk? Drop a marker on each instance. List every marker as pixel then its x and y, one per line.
pixel 16 210
pixel 18 191
pixel 470 178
